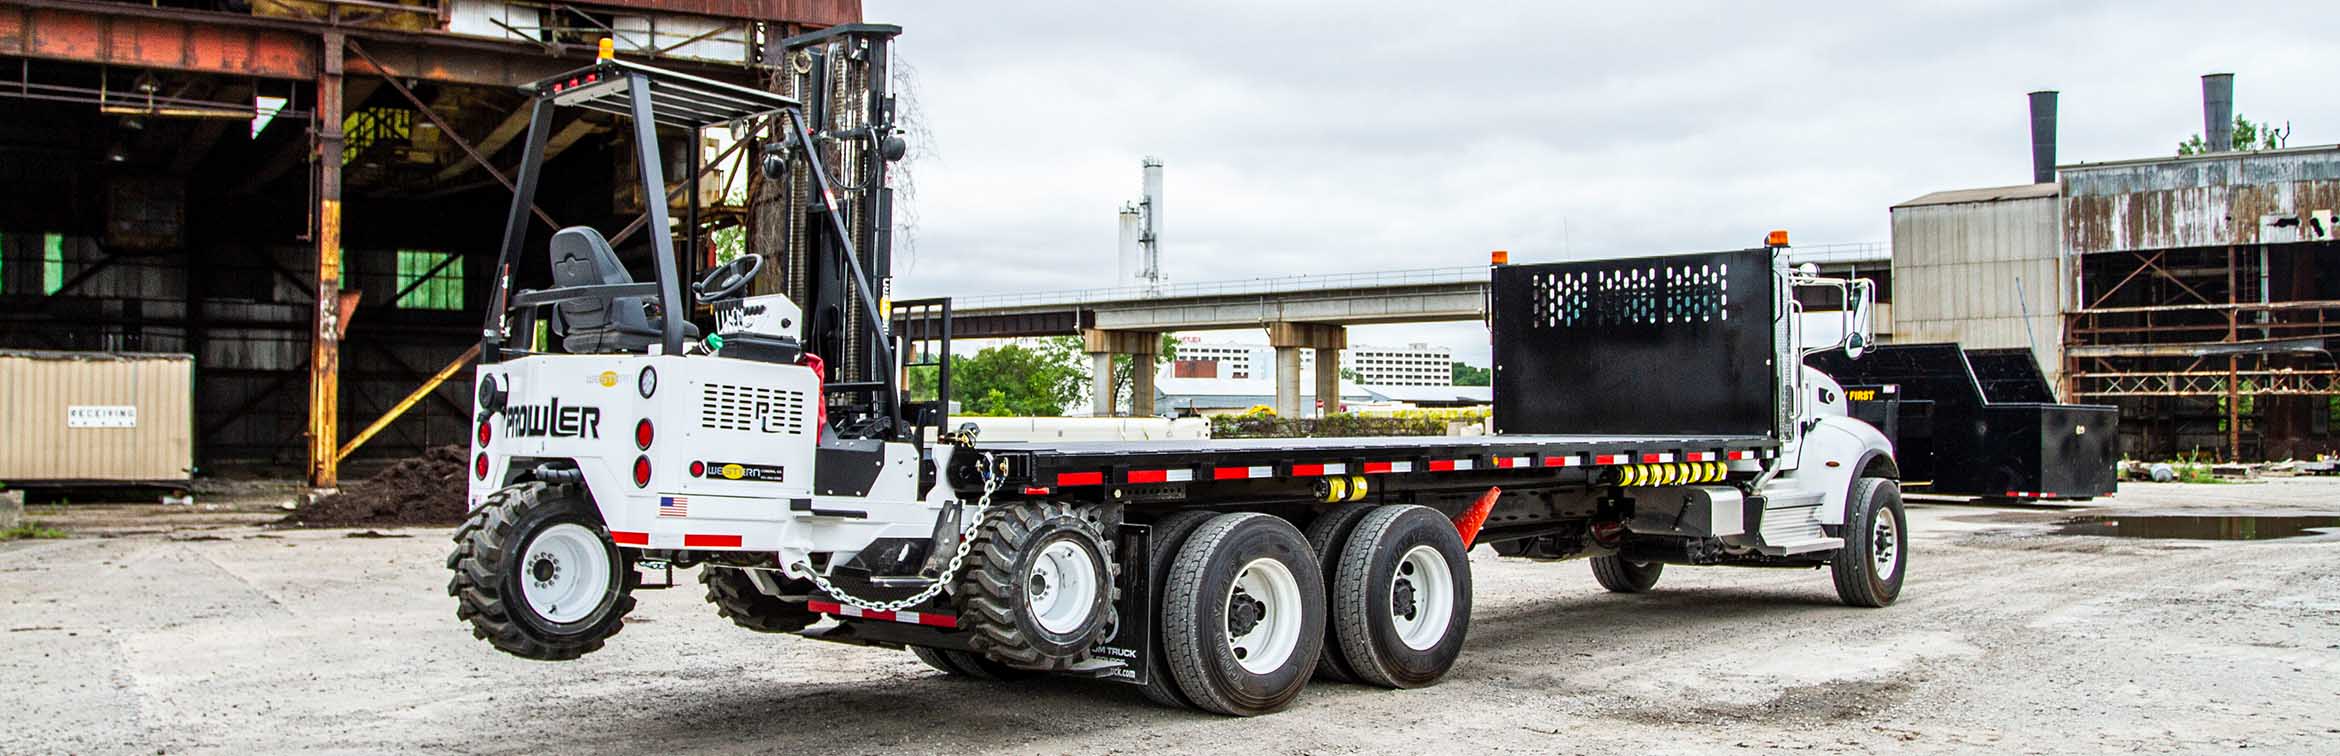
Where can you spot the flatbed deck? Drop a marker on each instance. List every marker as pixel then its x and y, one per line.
pixel 1068 465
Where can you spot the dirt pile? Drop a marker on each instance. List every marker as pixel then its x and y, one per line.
pixel 421 490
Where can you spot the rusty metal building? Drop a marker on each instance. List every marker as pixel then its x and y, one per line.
pixel 2200 293
pixel 305 194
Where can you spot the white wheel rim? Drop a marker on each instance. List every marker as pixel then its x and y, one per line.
pixel 1265 587
pixel 1062 587
pixel 564 572
pixel 1885 543
pixel 1421 592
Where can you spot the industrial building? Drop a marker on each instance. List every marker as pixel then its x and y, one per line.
pixel 307 195
pixel 1411 365
pixel 2198 292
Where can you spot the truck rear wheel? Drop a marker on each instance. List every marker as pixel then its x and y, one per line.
pixel 963 664
pixel 537 576
pixel 1243 618
pixel 1326 534
pixel 1620 575
pixel 1875 557
pixel 1038 588
pixel 1401 597
pixel 736 597
pixel 1162 543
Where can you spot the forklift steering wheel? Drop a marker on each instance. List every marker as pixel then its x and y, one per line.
pixel 728 278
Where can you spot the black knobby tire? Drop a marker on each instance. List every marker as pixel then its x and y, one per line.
pixel 1860 578
pixel 1195 612
pixel 736 598
pixel 963 664
pixel 488 570
pixel 991 595
pixel 1326 534
pixel 1376 586
pixel 1162 543
pixel 1622 576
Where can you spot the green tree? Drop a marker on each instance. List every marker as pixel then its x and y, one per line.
pixel 1466 375
pixel 1017 380
pixel 1122 376
pixel 2248 136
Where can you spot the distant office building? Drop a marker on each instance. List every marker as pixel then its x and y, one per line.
pixel 1411 365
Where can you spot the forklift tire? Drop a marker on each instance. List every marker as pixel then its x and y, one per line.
pixel 1401 598
pixel 1875 557
pixel 1326 534
pixel 1243 618
pixel 962 664
pixel 523 553
pixel 1169 533
pixel 1038 590
pixel 1622 576
pixel 736 598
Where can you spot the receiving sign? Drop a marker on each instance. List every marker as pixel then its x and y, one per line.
pixel 101 416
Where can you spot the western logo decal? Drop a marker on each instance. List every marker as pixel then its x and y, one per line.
pixel 552 419
pixel 739 471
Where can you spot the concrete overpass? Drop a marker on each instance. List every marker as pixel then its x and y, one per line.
pixel 1298 312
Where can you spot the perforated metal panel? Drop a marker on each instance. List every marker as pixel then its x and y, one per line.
pixel 751 408
pixel 1673 344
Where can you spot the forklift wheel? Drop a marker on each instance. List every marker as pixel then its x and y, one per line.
pixel 537 576
pixel 1038 590
pixel 736 597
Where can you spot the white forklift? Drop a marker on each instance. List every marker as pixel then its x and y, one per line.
pixel 1650 412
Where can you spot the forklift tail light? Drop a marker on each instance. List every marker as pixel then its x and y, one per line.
pixel 484 433
pixel 643 434
pixel 641 472
pixel 479 466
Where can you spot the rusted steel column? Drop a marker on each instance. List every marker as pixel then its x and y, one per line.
pixel 325 346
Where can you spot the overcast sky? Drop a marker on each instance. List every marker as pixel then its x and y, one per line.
pixel 1304 137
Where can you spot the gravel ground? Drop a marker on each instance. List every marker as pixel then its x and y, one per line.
pixel 233 639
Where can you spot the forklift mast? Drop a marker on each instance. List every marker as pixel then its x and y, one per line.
pixel 842 76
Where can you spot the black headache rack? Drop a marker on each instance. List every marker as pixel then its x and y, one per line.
pixel 1648 371
pixel 1979 422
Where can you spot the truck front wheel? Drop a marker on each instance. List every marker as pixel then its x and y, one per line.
pixel 1875 557
pixel 1401 597
pixel 1621 576
pixel 537 576
pixel 1243 615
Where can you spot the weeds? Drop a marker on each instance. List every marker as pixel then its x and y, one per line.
pixel 30 529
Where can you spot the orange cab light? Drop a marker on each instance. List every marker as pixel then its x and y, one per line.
pixel 1776 239
pixel 608 49
pixel 1499 257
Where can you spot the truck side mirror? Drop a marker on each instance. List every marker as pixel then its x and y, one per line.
pixel 1855 345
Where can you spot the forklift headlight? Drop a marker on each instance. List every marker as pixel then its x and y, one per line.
pixel 647 382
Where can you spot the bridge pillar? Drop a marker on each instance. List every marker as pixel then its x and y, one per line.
pixel 1102 345
pixel 1289 338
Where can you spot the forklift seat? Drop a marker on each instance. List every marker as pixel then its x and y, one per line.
pixel 581 257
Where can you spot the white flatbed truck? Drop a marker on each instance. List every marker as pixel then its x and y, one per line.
pixel 1649 412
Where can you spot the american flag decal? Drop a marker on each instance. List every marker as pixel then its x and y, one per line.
pixel 674 506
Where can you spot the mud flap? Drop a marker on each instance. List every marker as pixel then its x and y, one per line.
pixel 1132 639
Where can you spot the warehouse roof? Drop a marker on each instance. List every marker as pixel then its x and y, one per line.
pixel 1985 194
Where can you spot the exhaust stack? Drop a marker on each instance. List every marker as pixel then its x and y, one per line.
pixel 2043 137
pixel 2218 111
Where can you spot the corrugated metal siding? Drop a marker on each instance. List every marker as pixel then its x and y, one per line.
pixel 2194 202
pixel 1955 269
pixel 37 388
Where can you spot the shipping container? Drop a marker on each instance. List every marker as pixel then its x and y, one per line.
pixel 96 418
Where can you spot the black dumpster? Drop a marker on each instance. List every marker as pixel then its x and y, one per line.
pixel 1979 422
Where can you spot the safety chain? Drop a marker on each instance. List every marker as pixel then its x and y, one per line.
pixel 991 480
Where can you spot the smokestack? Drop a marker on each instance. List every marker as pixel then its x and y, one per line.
pixel 2043 137
pixel 2218 111
pixel 1150 237
pixel 1133 264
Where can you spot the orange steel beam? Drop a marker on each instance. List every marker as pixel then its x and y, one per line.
pixel 407 403
pixel 161 43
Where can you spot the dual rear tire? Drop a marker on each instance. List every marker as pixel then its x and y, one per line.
pixel 1246 618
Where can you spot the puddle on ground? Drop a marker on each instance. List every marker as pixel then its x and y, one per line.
pixel 2200 527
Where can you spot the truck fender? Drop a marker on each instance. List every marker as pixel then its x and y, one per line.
pixel 1845 450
